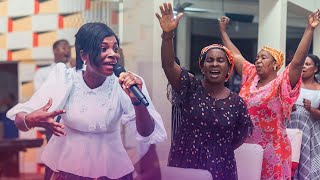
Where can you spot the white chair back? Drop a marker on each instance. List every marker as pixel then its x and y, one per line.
pixel 249 161
pixel 295 136
pixel 173 173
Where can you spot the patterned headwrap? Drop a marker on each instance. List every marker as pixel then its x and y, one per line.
pixel 223 48
pixel 276 54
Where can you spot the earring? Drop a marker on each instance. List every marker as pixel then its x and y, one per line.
pixel 275 68
pixel 84 66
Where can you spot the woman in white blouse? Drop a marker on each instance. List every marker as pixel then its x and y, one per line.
pixel 92 102
pixel 306 116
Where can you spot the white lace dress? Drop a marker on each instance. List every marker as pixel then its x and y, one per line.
pixel 93 146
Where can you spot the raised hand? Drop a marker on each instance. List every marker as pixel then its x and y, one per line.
pixel 223 23
pixel 167 20
pixel 45 119
pixel 314 19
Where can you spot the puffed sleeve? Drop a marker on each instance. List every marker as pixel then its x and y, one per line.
pixel 57 86
pixel 248 70
pixel 288 95
pixel 243 127
pixel 37 79
pixel 159 134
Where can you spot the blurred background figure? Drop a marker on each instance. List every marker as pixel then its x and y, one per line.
pixel 62 53
pixel 306 116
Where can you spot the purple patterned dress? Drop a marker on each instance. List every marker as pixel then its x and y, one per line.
pixel 210 130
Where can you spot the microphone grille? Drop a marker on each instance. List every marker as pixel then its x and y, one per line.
pixel 117 69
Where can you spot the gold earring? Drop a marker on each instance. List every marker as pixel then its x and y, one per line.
pixel 275 68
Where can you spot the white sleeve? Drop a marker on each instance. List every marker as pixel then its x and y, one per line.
pixel 159 134
pixel 37 80
pixel 57 86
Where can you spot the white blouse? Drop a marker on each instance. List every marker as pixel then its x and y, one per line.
pixel 93 145
pixel 312 95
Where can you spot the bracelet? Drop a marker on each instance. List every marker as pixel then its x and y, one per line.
pixel 167 35
pixel 25 124
pixel 136 103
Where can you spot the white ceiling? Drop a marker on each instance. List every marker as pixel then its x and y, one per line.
pixel 216 8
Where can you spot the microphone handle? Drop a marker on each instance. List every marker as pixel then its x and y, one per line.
pixel 139 95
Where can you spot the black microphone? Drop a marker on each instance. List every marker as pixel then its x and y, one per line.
pixel 117 69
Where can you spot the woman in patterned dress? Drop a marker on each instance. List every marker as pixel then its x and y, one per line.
pixel 214 120
pixel 270 97
pixel 306 116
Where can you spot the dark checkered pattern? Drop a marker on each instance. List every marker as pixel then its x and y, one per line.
pixel 309 164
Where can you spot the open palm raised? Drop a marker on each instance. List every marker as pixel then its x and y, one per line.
pixel 167 20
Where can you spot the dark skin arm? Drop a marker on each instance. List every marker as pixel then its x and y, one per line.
pixel 315 112
pixel 301 53
pixel 168 23
pixel 238 58
pixel 40 118
pixel 298 59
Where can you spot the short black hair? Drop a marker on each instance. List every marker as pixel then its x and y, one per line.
pixel 89 39
pixel 56 44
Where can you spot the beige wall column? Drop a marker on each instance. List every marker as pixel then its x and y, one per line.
pixel 183 38
pixel 308 8
pixel 316 42
pixel 141 43
pixel 272 24
pixel 316 36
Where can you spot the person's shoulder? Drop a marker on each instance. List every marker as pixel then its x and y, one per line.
pixel 64 68
pixel 42 71
pixel 318 86
pixel 236 97
pixel 43 68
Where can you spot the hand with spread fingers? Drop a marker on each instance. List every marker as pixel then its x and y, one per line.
pixel 314 19
pixel 128 79
pixel 168 21
pixel 45 119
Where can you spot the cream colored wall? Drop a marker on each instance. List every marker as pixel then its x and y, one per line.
pixel 272 24
pixel 141 45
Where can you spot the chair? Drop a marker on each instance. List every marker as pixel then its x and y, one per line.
pixel 295 136
pixel 249 161
pixel 173 173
